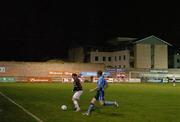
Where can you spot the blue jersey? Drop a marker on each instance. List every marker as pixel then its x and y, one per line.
pixel 101 83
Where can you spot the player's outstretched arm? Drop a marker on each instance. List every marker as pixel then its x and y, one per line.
pixel 91 90
pixel 106 86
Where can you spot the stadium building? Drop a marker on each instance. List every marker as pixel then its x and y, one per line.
pixel 151 52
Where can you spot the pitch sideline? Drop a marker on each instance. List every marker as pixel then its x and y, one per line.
pixel 25 110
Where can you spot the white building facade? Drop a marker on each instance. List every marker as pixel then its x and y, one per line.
pixel 119 59
pixel 176 60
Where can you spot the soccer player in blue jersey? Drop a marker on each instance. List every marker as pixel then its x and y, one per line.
pixel 101 85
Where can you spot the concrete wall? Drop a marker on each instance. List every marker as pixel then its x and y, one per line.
pixel 45 69
pixel 160 57
pixel 142 53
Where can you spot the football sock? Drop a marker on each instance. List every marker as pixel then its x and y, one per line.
pixel 76 104
pixel 90 108
pixel 109 103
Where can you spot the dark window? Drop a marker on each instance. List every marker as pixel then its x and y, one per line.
pixel 124 66
pixel 131 53
pixel 132 64
pixel 109 58
pixel 115 58
pixel 124 57
pixel 119 66
pixel 104 58
pixel 119 58
pixel 177 60
pixel 96 58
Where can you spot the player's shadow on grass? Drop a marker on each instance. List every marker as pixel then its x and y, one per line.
pixel 111 113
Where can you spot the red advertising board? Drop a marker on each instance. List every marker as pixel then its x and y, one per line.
pixel 39 79
pixel 56 73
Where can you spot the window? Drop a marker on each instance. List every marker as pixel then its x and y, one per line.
pixel 96 58
pixel 124 66
pixel 132 64
pixel 119 66
pixel 119 58
pixel 124 57
pixel 177 60
pixel 132 53
pixel 104 58
pixel 109 58
pixel 115 58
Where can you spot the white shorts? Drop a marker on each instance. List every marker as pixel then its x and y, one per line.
pixel 77 94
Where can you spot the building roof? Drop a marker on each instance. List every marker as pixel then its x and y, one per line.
pixel 149 38
pixel 120 40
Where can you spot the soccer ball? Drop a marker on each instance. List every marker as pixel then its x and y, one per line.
pixel 64 107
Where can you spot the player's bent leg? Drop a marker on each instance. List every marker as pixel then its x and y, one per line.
pixel 76 105
pixel 90 108
pixel 93 100
pixel 75 99
pixel 111 103
pixel 101 103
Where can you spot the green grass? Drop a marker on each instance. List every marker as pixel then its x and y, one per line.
pixel 138 103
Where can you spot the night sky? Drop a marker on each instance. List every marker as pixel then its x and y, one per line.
pixel 45 29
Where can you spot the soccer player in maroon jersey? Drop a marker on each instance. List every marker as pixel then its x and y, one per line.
pixel 77 91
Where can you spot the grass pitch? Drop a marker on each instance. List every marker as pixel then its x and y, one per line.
pixel 146 102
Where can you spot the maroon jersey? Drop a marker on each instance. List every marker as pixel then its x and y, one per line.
pixel 77 85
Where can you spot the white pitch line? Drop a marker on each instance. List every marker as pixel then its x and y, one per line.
pixel 25 110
